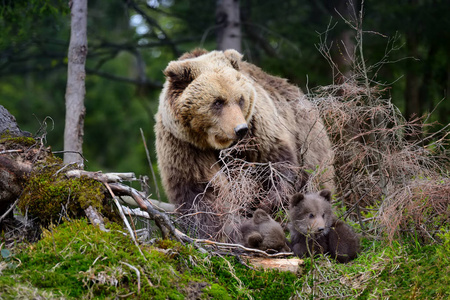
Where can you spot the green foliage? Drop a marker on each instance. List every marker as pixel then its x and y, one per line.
pixel 78 260
pixel 51 196
pixel 413 272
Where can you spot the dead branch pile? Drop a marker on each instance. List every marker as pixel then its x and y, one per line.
pixel 244 186
pixel 384 161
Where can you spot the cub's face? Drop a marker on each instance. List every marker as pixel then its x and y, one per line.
pixel 311 213
pixel 210 100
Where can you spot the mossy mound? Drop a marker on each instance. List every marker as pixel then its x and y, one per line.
pixel 51 196
pixel 78 261
pixel 14 142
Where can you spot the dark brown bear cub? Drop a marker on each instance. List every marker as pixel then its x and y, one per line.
pixel 315 229
pixel 264 233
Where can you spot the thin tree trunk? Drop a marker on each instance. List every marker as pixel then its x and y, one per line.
pixel 229 25
pixel 75 91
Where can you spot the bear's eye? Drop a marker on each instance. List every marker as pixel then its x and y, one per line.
pixel 323 216
pixel 218 103
pixel 311 216
pixel 241 102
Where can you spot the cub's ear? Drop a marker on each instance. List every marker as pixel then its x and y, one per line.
pixel 179 71
pixel 255 239
pixel 260 216
pixel 296 199
pixel 234 57
pixel 326 194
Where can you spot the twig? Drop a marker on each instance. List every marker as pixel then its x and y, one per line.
pixel 95 218
pixel 12 151
pixel 161 219
pixel 228 245
pixel 103 177
pixel 150 165
pixel 138 274
pixel 9 209
pixel 69 151
pixel 124 218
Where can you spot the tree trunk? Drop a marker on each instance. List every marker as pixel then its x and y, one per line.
pixel 229 25
pixel 8 124
pixel 75 91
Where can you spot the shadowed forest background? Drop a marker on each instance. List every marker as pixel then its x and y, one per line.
pixel 131 42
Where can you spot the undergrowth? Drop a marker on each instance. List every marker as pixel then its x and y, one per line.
pixel 78 261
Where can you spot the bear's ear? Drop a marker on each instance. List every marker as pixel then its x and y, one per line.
pixel 260 216
pixel 296 199
pixel 234 57
pixel 178 71
pixel 326 194
pixel 194 53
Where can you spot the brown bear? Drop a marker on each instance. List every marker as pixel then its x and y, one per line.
pixel 209 102
pixel 264 233
pixel 315 229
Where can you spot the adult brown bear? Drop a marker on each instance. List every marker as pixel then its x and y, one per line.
pixel 210 100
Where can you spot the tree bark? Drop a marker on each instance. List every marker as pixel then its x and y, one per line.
pixel 229 25
pixel 75 90
pixel 8 124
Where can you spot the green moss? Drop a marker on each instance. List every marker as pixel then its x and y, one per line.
pixel 52 196
pixel 11 142
pixel 78 261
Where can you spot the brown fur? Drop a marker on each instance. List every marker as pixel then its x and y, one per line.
pixel 264 233
pixel 206 97
pixel 315 229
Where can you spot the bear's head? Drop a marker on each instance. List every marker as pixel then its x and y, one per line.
pixel 260 216
pixel 267 233
pixel 206 100
pixel 312 213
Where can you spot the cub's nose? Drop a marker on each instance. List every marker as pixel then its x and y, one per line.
pixel 241 130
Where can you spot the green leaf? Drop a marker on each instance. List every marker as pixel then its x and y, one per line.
pixel 6 253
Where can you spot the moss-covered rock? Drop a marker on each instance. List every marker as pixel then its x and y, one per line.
pixel 51 196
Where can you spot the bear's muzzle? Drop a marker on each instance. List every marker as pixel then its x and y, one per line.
pixel 241 130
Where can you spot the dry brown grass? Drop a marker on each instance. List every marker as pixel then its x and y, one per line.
pixel 385 162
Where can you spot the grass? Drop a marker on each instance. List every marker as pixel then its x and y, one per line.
pixel 78 261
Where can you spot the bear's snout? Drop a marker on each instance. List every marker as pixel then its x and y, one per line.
pixel 241 130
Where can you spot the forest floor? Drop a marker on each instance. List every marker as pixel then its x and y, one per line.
pixel 76 260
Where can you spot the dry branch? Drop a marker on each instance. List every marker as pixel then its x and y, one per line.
pixel 110 180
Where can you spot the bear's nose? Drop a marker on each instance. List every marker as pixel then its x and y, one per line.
pixel 241 130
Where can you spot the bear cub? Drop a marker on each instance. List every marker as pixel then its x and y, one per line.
pixel 315 229
pixel 264 233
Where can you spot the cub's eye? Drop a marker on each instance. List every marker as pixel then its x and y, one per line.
pixel 241 102
pixel 218 103
pixel 323 216
pixel 311 216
